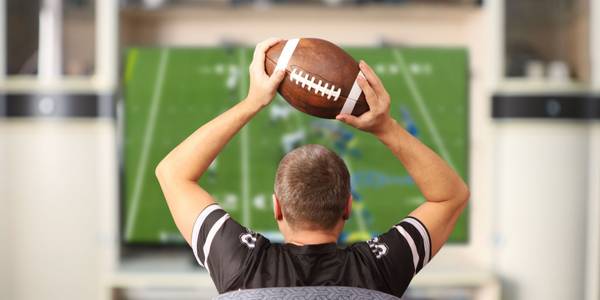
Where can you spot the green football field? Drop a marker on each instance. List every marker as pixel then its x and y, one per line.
pixel 169 92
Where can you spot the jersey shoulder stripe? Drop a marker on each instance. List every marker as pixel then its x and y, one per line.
pixel 209 238
pixel 424 236
pixel 411 244
pixel 415 233
pixel 203 224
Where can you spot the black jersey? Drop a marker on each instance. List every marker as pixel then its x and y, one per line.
pixel 238 258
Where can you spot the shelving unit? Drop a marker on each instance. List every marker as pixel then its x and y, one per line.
pixel 58 128
pixel 557 121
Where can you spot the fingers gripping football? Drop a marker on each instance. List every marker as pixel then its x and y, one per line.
pixel 258 61
pixel 370 94
pixel 378 100
pixel 262 86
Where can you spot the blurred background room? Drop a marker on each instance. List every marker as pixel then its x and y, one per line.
pixel 94 92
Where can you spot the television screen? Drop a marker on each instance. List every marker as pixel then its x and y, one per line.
pixel 170 92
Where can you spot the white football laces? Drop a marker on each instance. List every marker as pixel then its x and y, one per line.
pixel 308 82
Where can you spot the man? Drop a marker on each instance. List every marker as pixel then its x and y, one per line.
pixel 311 203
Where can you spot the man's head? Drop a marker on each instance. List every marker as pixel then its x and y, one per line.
pixel 312 190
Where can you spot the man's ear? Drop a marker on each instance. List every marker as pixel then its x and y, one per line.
pixel 348 209
pixel 277 209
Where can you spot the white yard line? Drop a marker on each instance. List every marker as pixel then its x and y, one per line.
pixel 418 98
pixel 358 213
pixel 244 148
pixel 147 143
pixel 360 220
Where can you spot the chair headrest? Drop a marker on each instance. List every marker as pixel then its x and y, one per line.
pixel 308 292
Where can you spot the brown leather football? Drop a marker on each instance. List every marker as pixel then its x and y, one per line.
pixel 320 77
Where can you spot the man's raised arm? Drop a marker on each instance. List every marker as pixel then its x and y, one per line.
pixel 446 193
pixel 178 173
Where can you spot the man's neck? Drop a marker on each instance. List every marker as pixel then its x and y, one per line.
pixel 311 237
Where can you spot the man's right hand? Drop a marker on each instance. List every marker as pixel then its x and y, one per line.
pixel 262 86
pixel 446 193
pixel 377 120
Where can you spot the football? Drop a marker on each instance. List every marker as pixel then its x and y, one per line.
pixel 320 77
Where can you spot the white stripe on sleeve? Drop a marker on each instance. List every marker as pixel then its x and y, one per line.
pixel 411 243
pixel 209 238
pixel 424 235
pixel 197 225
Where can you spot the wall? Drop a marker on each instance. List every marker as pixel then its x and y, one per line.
pixel 55 175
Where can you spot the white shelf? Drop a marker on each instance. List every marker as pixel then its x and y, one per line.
pixel 484 284
pixel 449 278
pixel 29 84
pixel 529 87
pixel 190 278
pixel 133 279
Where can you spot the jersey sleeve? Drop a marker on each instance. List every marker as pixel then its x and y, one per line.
pixel 221 245
pixel 401 253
